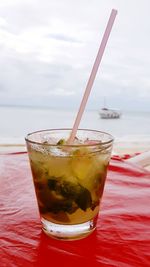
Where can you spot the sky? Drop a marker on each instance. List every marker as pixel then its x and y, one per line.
pixel 47 50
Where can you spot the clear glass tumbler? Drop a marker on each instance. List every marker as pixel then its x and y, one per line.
pixel 69 179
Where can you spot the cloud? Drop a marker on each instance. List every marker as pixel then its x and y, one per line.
pixel 60 92
pixel 62 37
pixel 47 51
pixel 3 22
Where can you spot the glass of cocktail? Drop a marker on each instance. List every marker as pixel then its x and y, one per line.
pixel 69 179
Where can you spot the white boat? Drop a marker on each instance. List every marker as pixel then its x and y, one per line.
pixel 107 113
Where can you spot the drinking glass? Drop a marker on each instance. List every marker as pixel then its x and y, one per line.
pixel 69 179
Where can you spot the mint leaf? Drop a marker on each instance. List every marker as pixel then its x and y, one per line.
pixel 61 142
pixel 73 196
pixel 84 199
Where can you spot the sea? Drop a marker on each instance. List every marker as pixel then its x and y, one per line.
pixel 16 122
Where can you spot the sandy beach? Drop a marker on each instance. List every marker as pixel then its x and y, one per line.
pixel 130 146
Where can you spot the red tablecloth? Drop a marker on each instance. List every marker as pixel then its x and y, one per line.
pixel 122 237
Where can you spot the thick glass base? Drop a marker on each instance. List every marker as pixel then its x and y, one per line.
pixel 68 232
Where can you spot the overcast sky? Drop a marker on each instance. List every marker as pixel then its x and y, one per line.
pixel 47 50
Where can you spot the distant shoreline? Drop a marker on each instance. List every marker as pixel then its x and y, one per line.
pixel 45 107
pixel 65 108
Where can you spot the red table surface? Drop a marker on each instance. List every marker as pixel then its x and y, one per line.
pixel 122 237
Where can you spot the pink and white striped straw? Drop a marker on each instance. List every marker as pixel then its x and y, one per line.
pixel 92 75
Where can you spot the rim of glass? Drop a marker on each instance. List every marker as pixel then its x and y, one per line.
pixel 72 145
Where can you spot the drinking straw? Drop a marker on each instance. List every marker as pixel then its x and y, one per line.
pixel 92 75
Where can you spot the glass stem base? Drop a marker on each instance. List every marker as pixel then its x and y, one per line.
pixel 68 232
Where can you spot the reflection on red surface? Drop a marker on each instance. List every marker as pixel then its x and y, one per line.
pixel 122 237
